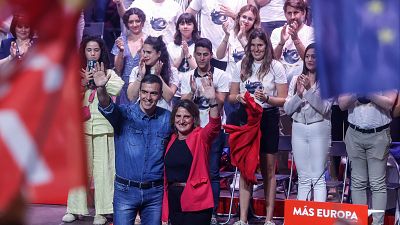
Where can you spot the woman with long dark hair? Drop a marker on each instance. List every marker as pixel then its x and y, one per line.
pixel 127 48
pixel 182 49
pixel 311 129
pixel 264 77
pixel 99 135
pixel 154 61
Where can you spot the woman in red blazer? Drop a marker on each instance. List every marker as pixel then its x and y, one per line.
pixel 188 196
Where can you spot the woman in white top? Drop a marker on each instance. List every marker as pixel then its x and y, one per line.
pixel 311 129
pixel 154 61
pixel 181 50
pixel 235 40
pixel 265 78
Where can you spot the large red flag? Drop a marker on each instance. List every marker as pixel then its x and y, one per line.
pixel 41 145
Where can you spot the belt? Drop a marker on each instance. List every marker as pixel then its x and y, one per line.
pixel 369 131
pixel 176 184
pixel 140 185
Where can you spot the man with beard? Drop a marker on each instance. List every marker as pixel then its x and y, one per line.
pixel 290 41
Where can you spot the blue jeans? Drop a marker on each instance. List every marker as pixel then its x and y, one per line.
pixel 268 27
pixel 214 162
pixel 130 200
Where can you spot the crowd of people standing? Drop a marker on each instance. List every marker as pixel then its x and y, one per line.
pixel 181 70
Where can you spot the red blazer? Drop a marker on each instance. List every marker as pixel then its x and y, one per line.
pixel 197 194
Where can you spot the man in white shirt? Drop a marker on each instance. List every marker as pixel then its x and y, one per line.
pixel 192 89
pixel 290 41
pixel 213 14
pixel 161 16
pixel 367 144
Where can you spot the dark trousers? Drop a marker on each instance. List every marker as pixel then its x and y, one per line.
pixel 177 217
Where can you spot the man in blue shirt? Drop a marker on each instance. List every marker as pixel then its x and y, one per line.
pixel 141 134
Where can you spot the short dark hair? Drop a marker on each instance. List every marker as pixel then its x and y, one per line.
pixel 17 20
pixel 133 11
pixel 191 107
pixel 151 79
pixel 297 4
pixel 205 43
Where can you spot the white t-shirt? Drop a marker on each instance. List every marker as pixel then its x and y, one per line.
pixel 184 68
pixel 221 83
pixel 290 58
pixel 273 11
pixel 174 79
pixel 211 20
pixel 160 17
pixel 235 52
pixel 275 75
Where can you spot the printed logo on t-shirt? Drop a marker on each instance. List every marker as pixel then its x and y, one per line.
pixel 201 102
pixel 218 18
pixel 158 24
pixel 252 86
pixel 184 66
pixel 237 55
pixel 291 56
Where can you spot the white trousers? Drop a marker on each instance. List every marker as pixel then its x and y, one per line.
pixel 310 144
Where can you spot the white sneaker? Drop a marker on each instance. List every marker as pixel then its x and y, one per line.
pixel 99 220
pixel 269 223
pixel 69 218
pixel 239 222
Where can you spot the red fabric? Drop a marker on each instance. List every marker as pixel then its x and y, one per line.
pixel 197 194
pixel 244 141
pixel 41 142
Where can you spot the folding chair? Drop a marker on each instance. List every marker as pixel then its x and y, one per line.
pixel 338 148
pixel 393 181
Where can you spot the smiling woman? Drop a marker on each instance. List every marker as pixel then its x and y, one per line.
pixel 154 61
pixel 22 40
pixel 188 197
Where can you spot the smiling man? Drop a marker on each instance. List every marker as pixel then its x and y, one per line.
pixel 141 133
pixel 290 41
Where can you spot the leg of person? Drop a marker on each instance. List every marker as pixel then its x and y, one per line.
pixel 214 163
pixel 127 202
pixel 377 156
pixel 197 218
pixel 77 197
pixel 174 206
pixel 150 212
pixel 358 166
pixel 301 153
pixel 268 148
pixel 320 138
pixel 103 175
pixel 267 166
pixel 245 190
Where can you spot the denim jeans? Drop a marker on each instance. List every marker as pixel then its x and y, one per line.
pixel 268 27
pixel 130 200
pixel 214 162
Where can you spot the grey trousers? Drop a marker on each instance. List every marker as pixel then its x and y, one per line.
pixel 368 154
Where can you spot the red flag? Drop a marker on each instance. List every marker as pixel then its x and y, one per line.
pixel 245 141
pixel 41 143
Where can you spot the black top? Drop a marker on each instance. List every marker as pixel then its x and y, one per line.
pixel 178 162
